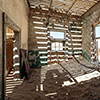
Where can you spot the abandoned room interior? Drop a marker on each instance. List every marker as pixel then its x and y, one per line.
pixel 49 49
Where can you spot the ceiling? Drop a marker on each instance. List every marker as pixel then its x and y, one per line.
pixel 73 7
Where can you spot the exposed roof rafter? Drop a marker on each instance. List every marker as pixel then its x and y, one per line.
pixel 72 6
pixel 76 7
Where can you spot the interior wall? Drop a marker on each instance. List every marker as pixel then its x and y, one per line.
pixel 18 10
pixel 39 34
pixel 90 18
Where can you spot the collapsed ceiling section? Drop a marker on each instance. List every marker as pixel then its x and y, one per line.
pixel 73 7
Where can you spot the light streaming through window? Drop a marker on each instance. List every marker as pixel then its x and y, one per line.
pixel 57 46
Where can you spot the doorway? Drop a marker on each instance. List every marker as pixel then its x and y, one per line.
pixel 11 43
pixel 9 50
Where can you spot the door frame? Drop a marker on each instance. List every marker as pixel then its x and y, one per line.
pixel 7 21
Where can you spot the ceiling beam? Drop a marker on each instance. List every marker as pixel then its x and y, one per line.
pixel 90 8
pixel 51 4
pixel 71 6
pixel 52 12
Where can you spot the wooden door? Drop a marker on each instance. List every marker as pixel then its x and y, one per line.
pixel 9 55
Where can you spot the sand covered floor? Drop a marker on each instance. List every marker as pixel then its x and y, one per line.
pixel 66 81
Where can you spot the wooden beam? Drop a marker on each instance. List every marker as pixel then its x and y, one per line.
pixel 90 8
pixel 95 24
pixel 71 6
pixel 64 5
pixel 47 23
pixel 53 13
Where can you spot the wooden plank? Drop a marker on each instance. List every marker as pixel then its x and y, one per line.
pixel 42 40
pixel 42 25
pixel 78 42
pixel 76 37
pixel 9 56
pixel 64 7
pixel 56 53
pixel 42 49
pixel 75 49
pixel 75 46
pixel 55 19
pixel 39 30
pixel 52 12
pixel 74 33
pixel 58 30
pixel 42 45
pixel 90 8
pixel 41 35
pixel 72 6
pixel 63 57
pixel 35 19
pixel 26 64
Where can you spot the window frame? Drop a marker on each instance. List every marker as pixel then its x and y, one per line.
pixel 55 46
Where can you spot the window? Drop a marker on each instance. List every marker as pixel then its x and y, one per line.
pixel 57 35
pixel 97 31
pixel 57 46
pixel 97 35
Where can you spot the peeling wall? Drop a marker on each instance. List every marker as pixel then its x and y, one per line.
pixel 90 18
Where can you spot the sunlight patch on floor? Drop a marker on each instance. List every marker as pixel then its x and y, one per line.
pixel 50 94
pixel 82 78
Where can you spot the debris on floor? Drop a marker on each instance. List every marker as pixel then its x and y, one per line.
pixel 71 81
